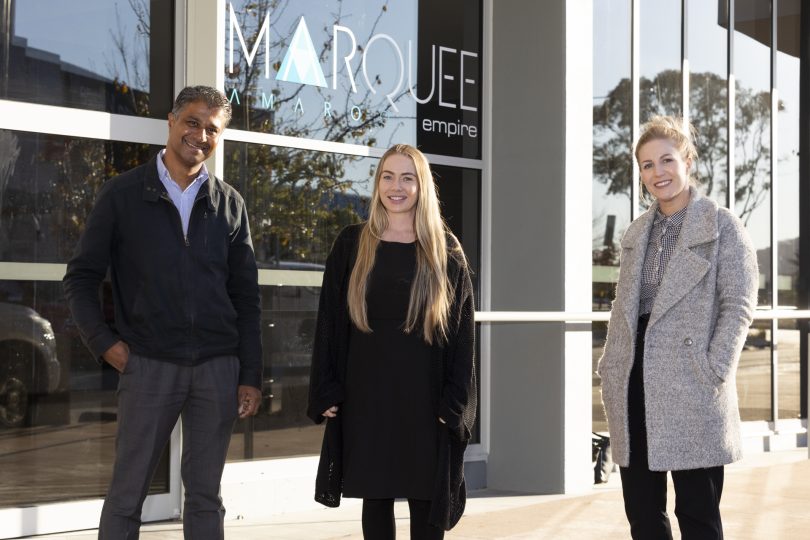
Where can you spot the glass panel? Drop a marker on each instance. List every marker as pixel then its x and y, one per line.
pixel 788 375
pixel 787 216
pixel 57 404
pixel 612 156
pixel 708 94
pixel 281 428
pixel 360 73
pixel 48 185
pixel 460 195
pixel 752 130
pixel 661 86
pixel 115 57
pixel 754 373
pixel 298 200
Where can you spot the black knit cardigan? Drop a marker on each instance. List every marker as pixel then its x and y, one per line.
pixel 454 395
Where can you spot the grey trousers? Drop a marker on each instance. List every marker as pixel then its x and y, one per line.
pixel 151 396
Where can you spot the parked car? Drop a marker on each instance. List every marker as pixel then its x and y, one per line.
pixel 28 363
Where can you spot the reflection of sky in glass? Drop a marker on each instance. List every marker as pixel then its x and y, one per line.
pixel 707 53
pixel 707 39
pixel 81 33
pixel 611 45
pixel 360 171
pixel 752 72
pixel 364 19
pixel 787 216
pixel 660 48
pixel 611 64
pixel 660 28
pixel 788 144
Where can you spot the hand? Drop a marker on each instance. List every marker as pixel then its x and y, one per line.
pixel 331 412
pixel 249 400
pixel 117 356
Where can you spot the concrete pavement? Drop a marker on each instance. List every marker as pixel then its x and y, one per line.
pixel 766 496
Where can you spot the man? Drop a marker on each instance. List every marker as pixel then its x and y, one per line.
pixel 186 335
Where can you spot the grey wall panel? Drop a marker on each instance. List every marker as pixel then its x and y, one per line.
pixel 528 205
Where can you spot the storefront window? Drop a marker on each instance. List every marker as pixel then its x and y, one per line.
pixel 787 150
pixel 48 185
pixel 753 373
pixel 752 130
pixel 281 428
pixel 298 200
pixel 122 63
pixel 612 165
pixel 788 373
pixel 708 95
pixel 57 404
pixel 661 84
pixel 358 72
pixel 612 140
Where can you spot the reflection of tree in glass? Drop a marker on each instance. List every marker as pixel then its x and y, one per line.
pixel 301 194
pixel 9 152
pixel 304 195
pixel 83 165
pixel 253 112
pixel 129 67
pixel 707 105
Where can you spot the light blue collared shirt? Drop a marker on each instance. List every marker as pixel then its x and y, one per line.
pixel 183 200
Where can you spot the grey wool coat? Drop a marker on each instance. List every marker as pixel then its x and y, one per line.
pixel 697 329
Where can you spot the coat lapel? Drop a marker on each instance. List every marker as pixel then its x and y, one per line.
pixel 634 249
pixel 686 268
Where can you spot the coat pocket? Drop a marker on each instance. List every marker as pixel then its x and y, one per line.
pixel 700 364
pixel 613 392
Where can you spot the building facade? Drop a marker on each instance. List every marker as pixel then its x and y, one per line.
pixel 527 112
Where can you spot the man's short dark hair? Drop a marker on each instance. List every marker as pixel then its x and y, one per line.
pixel 212 97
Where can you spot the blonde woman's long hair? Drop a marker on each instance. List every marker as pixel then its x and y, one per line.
pixel 430 301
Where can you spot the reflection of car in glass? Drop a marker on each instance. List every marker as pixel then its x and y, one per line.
pixel 28 364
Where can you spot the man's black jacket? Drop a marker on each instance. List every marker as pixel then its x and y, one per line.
pixel 182 299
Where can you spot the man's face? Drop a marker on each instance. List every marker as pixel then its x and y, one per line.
pixel 194 133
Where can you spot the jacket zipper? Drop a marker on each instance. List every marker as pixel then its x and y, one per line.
pixel 166 198
pixel 187 243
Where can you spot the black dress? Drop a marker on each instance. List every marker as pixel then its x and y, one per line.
pixel 390 428
pixel 453 381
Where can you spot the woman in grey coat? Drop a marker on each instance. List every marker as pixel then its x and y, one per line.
pixel 685 298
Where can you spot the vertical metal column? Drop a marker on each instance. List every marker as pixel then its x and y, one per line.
pixel 6 32
pixel 635 78
pixel 804 204
pixel 732 104
pixel 774 223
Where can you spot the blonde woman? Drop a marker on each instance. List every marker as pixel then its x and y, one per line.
pixel 686 295
pixel 392 367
